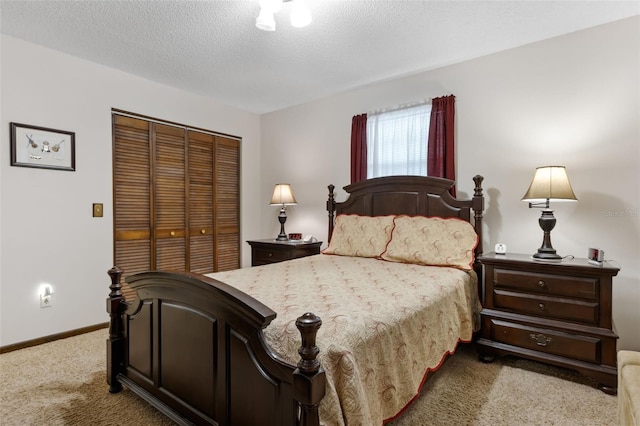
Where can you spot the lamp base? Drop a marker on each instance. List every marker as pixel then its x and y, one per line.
pixel 282 218
pixel 547 256
pixel 546 252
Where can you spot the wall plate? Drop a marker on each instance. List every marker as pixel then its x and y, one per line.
pixel 97 210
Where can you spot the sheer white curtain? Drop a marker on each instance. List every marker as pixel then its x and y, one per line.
pixel 397 141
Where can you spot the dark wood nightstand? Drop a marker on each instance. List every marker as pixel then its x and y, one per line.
pixel 272 251
pixel 558 313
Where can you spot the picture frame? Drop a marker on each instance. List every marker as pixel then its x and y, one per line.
pixel 42 147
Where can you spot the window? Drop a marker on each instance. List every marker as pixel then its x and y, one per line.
pixel 397 141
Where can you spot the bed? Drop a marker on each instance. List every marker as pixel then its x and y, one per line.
pixel 249 347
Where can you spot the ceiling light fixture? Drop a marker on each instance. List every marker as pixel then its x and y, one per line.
pixel 300 14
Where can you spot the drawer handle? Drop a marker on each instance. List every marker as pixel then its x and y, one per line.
pixel 541 306
pixel 203 231
pixel 172 233
pixel 540 339
pixel 540 283
pixel 270 254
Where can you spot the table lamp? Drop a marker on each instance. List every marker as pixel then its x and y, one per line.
pixel 282 196
pixel 550 183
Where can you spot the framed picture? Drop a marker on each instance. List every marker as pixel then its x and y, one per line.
pixel 33 146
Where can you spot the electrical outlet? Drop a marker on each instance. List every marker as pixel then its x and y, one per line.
pixel 45 301
pixel 46 297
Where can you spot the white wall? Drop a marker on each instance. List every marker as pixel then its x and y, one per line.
pixel 572 100
pixel 47 231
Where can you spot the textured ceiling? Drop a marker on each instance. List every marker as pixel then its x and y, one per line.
pixel 213 48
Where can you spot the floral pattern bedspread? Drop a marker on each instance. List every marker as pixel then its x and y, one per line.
pixel 384 325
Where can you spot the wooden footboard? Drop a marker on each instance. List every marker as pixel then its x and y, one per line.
pixel 193 347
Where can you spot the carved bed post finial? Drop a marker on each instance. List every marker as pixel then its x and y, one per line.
pixel 331 208
pixel 115 351
pixel 477 191
pixel 309 380
pixel 308 324
pixel 115 288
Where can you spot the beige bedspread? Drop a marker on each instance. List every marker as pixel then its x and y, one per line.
pixel 384 325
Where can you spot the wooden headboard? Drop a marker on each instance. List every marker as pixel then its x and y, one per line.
pixel 410 195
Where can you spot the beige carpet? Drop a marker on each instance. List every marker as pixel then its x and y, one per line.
pixel 63 383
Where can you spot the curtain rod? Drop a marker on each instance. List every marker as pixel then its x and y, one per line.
pixel 399 107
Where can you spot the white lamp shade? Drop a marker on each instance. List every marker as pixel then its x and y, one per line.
pixel 550 183
pixel 300 14
pixel 265 20
pixel 283 195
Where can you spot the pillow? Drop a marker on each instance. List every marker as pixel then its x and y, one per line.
pixel 362 236
pixel 432 241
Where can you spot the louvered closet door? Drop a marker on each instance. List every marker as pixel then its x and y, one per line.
pixel 227 204
pixel 176 198
pixel 132 196
pixel 201 230
pixel 168 145
pixel 132 183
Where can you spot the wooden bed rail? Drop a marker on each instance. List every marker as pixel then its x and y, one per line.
pixel 298 389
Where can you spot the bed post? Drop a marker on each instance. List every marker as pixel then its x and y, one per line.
pixel 309 379
pixel 331 208
pixel 478 208
pixel 115 352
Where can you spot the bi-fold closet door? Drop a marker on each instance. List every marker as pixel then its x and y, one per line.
pixel 176 197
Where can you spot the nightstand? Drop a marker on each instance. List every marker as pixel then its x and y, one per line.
pixel 558 313
pixel 273 251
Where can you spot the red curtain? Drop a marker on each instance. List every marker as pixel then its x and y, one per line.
pixel 440 152
pixel 358 148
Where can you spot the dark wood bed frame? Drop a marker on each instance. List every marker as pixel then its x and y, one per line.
pixel 193 346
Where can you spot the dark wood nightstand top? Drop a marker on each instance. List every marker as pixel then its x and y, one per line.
pixel 526 260
pixel 287 243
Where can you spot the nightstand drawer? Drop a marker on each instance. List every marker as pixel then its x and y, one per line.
pixel 264 252
pixel 306 251
pixel 263 255
pixel 549 307
pixel 584 288
pixel 574 346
